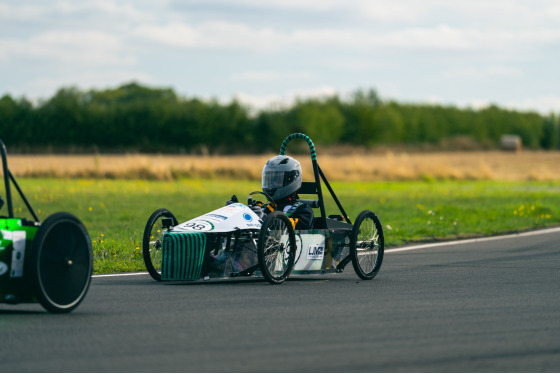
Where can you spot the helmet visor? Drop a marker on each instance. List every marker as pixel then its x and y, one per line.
pixel 272 179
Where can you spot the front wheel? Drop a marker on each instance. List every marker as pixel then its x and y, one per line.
pixel 152 241
pixel 61 263
pixel 367 245
pixel 276 247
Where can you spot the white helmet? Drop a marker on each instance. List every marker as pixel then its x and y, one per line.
pixel 281 177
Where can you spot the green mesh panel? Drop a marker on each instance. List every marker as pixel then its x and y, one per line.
pixel 182 256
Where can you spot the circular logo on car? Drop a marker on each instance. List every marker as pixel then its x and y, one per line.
pixel 247 217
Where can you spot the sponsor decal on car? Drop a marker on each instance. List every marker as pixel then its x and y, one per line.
pixel 198 225
pixel 18 254
pixel 315 252
pixel 310 251
pixel 231 209
pixel 216 216
pixel 3 268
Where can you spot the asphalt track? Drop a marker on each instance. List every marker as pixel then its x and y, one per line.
pixel 474 306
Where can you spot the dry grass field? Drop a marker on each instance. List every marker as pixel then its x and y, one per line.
pixel 487 165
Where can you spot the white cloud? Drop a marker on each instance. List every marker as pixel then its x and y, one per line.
pixel 392 10
pixel 541 104
pixel 439 37
pixel 52 11
pixel 19 11
pixel 173 34
pixel 212 35
pixel 238 36
pixel 286 99
pixel 83 48
pixel 483 73
pixel 46 87
pixel 405 48
pixel 272 76
pixel 259 102
pixel 296 5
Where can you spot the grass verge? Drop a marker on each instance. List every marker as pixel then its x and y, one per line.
pixel 115 211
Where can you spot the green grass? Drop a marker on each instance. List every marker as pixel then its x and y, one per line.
pixel 115 211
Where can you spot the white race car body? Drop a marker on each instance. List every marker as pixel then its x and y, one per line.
pixel 229 218
pixel 228 238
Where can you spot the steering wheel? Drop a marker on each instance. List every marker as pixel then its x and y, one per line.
pixel 251 202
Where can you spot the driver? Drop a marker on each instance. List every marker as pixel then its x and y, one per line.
pixel 281 179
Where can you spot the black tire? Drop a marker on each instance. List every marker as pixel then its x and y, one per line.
pixel 152 241
pixel 367 245
pixel 60 263
pixel 276 247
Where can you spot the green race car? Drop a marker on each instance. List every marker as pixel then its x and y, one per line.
pixel 48 262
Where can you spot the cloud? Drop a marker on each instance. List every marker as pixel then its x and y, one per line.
pixel 392 10
pixel 211 35
pixel 173 34
pixel 544 105
pixel 439 37
pixel 541 104
pixel 47 86
pixel 271 76
pixel 288 98
pixel 19 11
pixel 77 12
pixel 219 47
pixel 80 48
pixel 470 72
pixel 242 37
pixel 136 24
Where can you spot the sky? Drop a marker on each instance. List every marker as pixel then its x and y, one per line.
pixel 465 53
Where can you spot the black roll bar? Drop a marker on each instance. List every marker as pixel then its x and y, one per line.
pixel 318 174
pixel 8 176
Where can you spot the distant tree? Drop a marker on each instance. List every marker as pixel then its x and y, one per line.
pixel 320 119
pixel 359 118
pixel 15 118
pixel 152 119
pixel 388 126
pixel 550 138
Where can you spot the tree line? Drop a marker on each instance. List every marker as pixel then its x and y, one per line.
pixel 137 118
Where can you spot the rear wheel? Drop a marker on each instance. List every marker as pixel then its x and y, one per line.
pixel 276 247
pixel 61 263
pixel 152 241
pixel 367 245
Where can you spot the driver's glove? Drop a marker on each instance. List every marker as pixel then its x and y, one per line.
pixel 258 210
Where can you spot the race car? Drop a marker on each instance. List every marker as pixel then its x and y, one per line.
pixel 49 262
pixel 234 241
